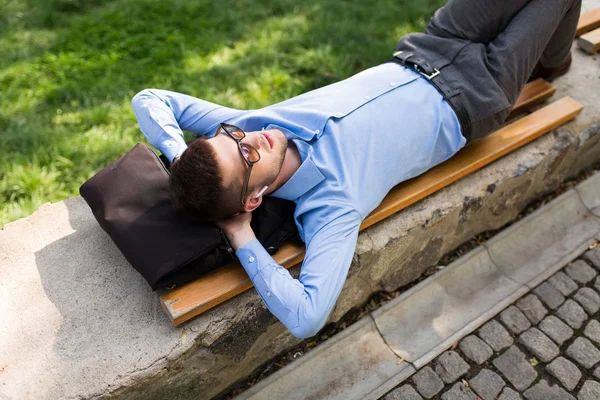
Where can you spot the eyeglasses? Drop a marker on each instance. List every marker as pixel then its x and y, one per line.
pixel 248 152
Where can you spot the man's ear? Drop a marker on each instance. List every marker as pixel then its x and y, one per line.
pixel 254 199
pixel 252 203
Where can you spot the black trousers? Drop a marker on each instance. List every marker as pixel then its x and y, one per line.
pixel 487 50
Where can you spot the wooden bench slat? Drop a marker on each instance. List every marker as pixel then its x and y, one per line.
pixel 185 302
pixel 590 42
pixel 215 287
pixel 588 21
pixel 534 92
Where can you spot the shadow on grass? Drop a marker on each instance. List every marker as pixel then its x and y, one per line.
pixel 73 66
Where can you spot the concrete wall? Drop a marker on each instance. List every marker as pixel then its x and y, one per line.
pixel 76 321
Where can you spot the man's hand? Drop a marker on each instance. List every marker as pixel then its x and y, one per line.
pixel 237 229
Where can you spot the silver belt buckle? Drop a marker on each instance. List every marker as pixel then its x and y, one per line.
pixel 435 72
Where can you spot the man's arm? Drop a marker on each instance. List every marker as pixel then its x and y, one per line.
pixel 162 115
pixel 304 304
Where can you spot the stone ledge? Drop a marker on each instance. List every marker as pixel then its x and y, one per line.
pixel 83 324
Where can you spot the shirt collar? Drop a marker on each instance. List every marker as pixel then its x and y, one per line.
pixel 306 177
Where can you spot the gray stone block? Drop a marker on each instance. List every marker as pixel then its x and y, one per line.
pixel 592 331
pixel 593 257
pixel 427 382
pixel 459 392
pixel 533 308
pixel 563 283
pixel 514 320
pixel 405 392
pixel 542 391
pixel 572 314
pixel 515 367
pixel 475 349
pixel 580 271
pixel 597 284
pixel 450 366
pixel 583 352
pixel 556 329
pixel 549 295
pixel 495 335
pixel 487 384
pixel 565 371
pixel 597 373
pixel 589 391
pixel 539 344
pixel 589 299
pixel 509 394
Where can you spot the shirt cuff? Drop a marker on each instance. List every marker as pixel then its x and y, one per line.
pixel 172 147
pixel 254 257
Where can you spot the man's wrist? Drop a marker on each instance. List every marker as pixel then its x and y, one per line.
pixel 241 237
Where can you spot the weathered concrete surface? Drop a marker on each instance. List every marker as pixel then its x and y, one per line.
pixel 78 322
pixel 353 364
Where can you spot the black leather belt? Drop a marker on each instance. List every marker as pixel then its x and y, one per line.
pixel 435 77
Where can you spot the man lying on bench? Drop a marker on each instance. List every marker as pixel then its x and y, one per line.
pixel 338 150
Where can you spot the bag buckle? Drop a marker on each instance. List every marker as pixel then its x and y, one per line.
pixel 228 246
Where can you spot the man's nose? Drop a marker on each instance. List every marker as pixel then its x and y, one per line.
pixel 254 140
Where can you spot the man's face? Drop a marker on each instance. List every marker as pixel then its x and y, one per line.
pixel 271 144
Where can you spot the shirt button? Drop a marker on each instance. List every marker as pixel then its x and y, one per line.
pixel 392 83
pixel 268 293
pixel 317 131
pixel 251 259
pixel 367 97
pixel 339 114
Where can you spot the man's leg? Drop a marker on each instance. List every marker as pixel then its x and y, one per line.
pixel 543 30
pixel 559 47
pixel 477 21
pixel 486 49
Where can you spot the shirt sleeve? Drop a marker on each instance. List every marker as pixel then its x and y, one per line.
pixel 304 304
pixel 162 115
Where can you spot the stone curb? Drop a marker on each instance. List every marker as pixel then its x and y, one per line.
pixel 420 324
pixel 377 366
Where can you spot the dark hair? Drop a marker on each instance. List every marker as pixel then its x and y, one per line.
pixel 196 184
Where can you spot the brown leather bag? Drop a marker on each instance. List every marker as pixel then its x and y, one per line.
pixel 129 199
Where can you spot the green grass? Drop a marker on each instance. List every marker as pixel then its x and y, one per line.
pixel 69 68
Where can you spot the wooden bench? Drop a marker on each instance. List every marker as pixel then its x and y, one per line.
pixel 211 289
pixel 588 21
pixel 590 41
pixel 533 93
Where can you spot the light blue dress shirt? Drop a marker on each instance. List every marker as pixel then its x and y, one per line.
pixel 357 138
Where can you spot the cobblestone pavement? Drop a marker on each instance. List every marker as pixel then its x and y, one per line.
pixel 543 347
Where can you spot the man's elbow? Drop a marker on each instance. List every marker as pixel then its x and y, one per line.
pixel 306 329
pixel 138 100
